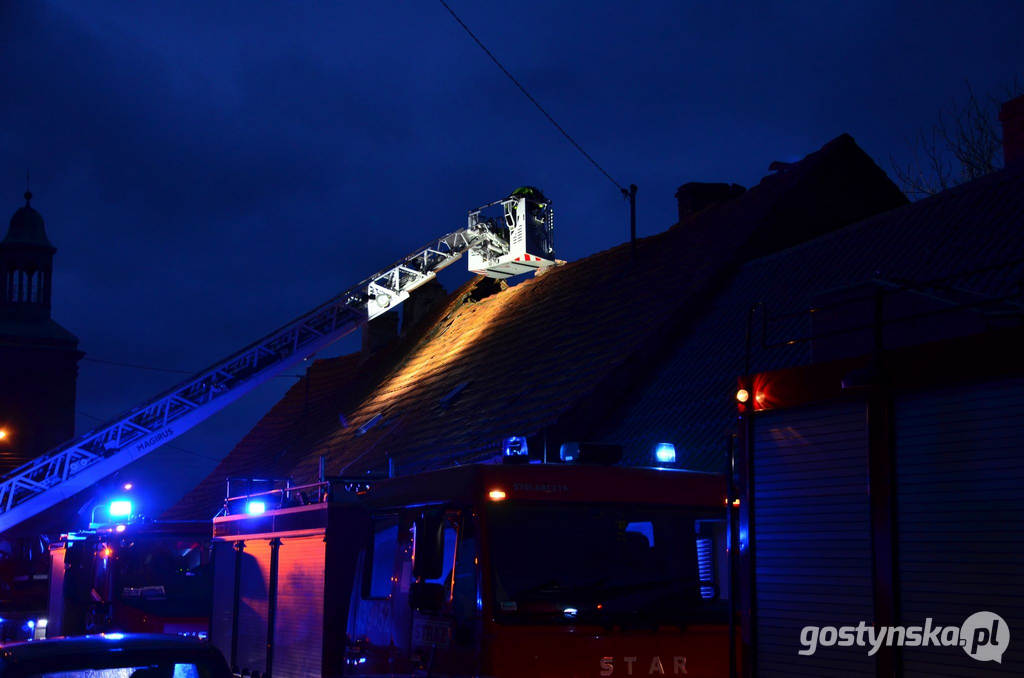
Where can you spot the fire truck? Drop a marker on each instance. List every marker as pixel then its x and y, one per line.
pixel 143 577
pixel 528 569
pixel 578 568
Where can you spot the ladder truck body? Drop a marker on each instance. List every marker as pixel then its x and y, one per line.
pixel 498 247
pixel 501 570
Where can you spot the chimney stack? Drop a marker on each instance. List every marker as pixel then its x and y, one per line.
pixel 420 303
pixel 380 332
pixel 696 196
pixel 1012 116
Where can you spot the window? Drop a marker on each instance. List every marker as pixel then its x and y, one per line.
pixel 448 563
pixel 383 550
pixel 609 563
pixel 466 599
pixel 643 528
pixel 712 558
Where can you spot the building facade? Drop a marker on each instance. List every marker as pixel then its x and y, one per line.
pixel 38 357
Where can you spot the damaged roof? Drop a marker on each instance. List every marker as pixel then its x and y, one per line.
pixel 550 356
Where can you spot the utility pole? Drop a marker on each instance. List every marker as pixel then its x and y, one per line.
pixel 631 194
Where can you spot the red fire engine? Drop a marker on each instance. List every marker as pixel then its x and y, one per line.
pixel 486 569
pixel 147 577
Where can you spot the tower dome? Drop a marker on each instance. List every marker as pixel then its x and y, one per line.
pixel 26 266
pixel 27 227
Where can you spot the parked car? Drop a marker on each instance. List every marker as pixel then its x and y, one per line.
pixel 113 655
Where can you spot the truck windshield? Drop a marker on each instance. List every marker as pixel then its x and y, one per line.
pixel 165 577
pixel 608 564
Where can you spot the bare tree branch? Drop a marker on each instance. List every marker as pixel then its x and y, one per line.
pixel 963 144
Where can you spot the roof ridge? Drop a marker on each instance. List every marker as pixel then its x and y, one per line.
pixel 988 181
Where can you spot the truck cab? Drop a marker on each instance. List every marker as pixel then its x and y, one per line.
pixel 496 570
pixel 144 577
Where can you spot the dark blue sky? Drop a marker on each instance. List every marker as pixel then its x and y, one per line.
pixel 209 173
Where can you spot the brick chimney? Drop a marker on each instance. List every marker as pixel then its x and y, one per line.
pixel 420 303
pixel 380 332
pixel 696 196
pixel 1012 116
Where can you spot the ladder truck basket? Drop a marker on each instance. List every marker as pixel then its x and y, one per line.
pixel 525 220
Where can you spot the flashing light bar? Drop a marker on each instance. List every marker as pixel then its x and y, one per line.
pixel 515 450
pixel 665 453
pixel 255 507
pixel 119 508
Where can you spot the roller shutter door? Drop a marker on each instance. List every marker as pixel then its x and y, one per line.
pixel 223 597
pixel 56 601
pixel 299 622
pixel 252 606
pixel 960 518
pixel 811 536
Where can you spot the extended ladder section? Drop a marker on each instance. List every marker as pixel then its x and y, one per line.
pixel 77 464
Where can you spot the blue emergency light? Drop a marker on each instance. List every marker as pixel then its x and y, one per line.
pixel 255 507
pixel 119 508
pixel 665 453
pixel 514 450
pixel 515 446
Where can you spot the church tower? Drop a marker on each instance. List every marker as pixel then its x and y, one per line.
pixel 38 357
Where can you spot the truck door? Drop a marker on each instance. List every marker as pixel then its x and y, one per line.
pixel 438 585
pixel 370 641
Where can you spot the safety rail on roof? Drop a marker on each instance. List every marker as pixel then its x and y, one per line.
pixel 295 495
pixel 77 464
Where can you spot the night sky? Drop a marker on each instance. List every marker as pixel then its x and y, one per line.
pixel 208 173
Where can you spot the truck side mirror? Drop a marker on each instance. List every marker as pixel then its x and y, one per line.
pixel 426 597
pixel 428 546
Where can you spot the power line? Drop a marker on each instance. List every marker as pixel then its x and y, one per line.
pixel 530 97
pixel 136 366
pixel 173 447
pixel 169 370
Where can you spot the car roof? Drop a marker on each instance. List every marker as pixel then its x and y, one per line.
pixel 104 642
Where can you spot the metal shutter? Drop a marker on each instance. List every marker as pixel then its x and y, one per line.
pixel 299 622
pixel 223 597
pixel 811 536
pixel 252 606
pixel 56 602
pixel 960 473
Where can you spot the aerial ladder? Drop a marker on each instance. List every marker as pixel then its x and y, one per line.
pixel 503 238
